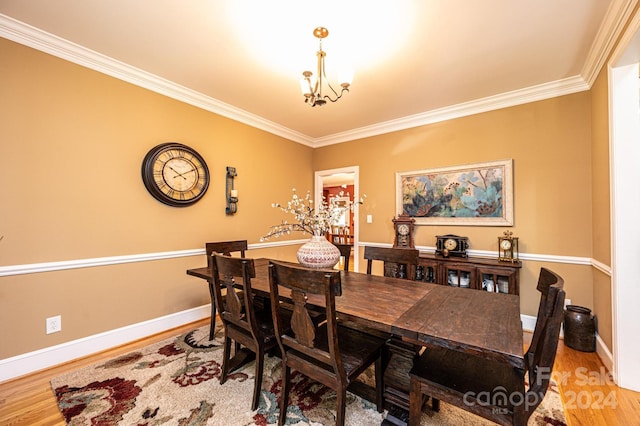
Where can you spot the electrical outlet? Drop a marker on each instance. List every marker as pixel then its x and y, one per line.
pixel 567 302
pixel 54 324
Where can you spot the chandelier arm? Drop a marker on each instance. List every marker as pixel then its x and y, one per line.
pixel 337 96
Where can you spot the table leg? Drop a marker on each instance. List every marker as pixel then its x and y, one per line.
pixel 396 380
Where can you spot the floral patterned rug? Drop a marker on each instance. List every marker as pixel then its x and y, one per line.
pixel 176 382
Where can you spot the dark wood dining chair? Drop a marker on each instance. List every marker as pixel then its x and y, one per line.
pixel 398 262
pixel 345 251
pixel 226 248
pixel 328 353
pixel 489 388
pixel 243 323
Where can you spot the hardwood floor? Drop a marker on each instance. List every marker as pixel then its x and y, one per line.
pixel 590 399
pixel 588 392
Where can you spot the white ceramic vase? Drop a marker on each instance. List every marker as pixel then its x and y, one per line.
pixel 318 253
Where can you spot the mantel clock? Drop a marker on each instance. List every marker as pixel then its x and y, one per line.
pixel 404 228
pixel 451 245
pixel 508 247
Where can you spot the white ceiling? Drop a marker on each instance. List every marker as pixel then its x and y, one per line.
pixel 415 61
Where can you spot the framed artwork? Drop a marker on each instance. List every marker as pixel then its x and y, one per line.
pixel 474 194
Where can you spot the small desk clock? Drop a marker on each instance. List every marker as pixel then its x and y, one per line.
pixel 508 247
pixel 451 245
pixel 404 227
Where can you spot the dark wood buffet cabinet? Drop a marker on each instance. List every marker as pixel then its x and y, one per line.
pixel 470 272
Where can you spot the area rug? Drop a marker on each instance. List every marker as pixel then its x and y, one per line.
pixel 176 382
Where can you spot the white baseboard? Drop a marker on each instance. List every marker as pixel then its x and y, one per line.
pixel 528 322
pixel 20 365
pixel 605 355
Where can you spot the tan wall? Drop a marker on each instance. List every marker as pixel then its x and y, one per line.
pixel 73 141
pixel 549 142
pixel 601 207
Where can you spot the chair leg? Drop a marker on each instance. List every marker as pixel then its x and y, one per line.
pixel 340 406
pixel 379 384
pixel 257 387
pixel 520 415
pixel 284 394
pixel 435 404
pixel 226 357
pixel 212 327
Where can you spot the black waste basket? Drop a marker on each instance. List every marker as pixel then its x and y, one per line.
pixel 579 328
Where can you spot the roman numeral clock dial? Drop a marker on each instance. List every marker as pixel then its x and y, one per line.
pixel 175 174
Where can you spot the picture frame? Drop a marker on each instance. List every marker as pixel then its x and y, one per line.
pixel 345 218
pixel 478 194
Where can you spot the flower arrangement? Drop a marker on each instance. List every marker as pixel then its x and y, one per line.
pixel 307 219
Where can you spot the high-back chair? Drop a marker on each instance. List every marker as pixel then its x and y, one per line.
pixel 489 388
pixel 243 323
pixel 328 353
pixel 345 251
pixel 226 248
pixel 398 262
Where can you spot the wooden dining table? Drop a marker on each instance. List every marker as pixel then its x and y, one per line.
pixel 417 313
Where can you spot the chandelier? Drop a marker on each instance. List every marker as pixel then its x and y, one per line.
pixel 313 88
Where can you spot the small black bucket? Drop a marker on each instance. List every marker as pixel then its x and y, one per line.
pixel 579 328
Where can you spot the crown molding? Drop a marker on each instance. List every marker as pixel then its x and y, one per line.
pixel 517 97
pixel 30 36
pixel 613 24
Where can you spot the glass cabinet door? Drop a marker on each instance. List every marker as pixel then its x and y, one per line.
pixel 462 276
pixel 428 272
pixel 497 280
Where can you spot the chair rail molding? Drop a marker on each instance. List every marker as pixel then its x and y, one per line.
pixel 32 268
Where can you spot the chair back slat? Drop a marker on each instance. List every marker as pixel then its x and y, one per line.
pixel 398 262
pixel 226 248
pixel 305 337
pixel 301 322
pixel 233 273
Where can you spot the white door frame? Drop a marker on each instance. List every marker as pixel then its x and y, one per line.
pixel 624 157
pixel 355 170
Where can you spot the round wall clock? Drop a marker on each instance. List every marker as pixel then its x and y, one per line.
pixel 175 174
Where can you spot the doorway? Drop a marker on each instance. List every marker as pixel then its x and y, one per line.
pixel 349 178
pixel 624 100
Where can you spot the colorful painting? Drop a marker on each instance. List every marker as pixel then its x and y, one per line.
pixel 475 194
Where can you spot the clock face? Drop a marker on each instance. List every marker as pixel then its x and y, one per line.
pixel 175 174
pixel 450 244
pixel 403 229
pixel 505 244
